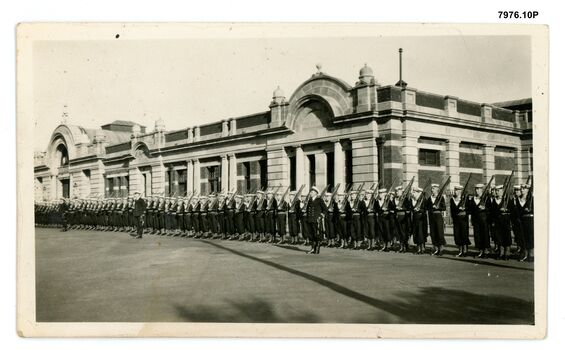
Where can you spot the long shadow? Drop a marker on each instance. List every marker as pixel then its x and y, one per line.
pixel 433 305
pixel 486 263
pixel 289 247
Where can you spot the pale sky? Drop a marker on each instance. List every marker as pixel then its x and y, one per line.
pixel 191 82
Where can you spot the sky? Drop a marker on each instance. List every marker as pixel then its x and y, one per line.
pixel 196 81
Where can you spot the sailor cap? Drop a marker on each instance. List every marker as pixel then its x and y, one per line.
pixel 314 188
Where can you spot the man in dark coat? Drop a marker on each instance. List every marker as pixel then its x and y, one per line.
pixel 436 207
pixel 315 210
pixel 139 213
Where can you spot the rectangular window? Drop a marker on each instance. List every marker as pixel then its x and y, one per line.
pixel 247 176
pixel 292 161
pixel 214 178
pixel 263 169
pixel 429 157
pixel 330 171
pixel 182 188
pixel 349 168
pixel 312 169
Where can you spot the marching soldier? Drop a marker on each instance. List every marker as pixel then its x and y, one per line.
pixel 478 210
pixel 460 219
pixel 436 207
pixel 315 209
pixel 282 211
pixel 526 212
pixel 419 220
pixel 344 221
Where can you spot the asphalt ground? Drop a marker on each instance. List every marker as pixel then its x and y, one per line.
pixel 91 276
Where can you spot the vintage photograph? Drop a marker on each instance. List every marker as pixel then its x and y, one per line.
pixel 370 177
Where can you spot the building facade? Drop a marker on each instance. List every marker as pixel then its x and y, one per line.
pixel 326 132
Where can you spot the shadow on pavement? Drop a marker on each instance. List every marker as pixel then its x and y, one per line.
pixel 428 305
pixel 487 263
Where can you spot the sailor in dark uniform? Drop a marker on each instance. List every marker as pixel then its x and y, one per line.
pixel 302 217
pixel 501 217
pixel 281 212
pixel 271 216
pixel 139 213
pixel 260 215
pixel 383 220
pixel 479 221
pixel 436 207
pixel 515 221
pixel 460 219
pixel 344 219
pixel 331 220
pixel 293 217
pixel 358 210
pixel 526 212
pixel 239 216
pixel 419 219
pixel 315 209
pixel 370 220
pixel 402 218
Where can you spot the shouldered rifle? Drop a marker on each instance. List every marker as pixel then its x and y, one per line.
pixel 375 193
pixel 463 202
pixel 321 195
pixel 357 198
pixel 485 193
pixel 334 193
pixel 442 190
pixel 387 197
pixel 283 197
pixel 506 193
pixel 530 196
pixel 345 197
pixel 405 192
pixel 297 196
pixel 422 195
pixel 232 197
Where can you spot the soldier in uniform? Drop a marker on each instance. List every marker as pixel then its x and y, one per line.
pixel 501 218
pixel 515 221
pixel 204 221
pixel 436 207
pixel 251 212
pixel 479 221
pixel 460 219
pixel 229 217
pixel 293 217
pixel 302 217
pixel 359 213
pixel 260 215
pixel 370 227
pixel 195 216
pixel 344 221
pixel 402 218
pixel 239 210
pixel 219 216
pixel 526 213
pixel 419 220
pixel 282 212
pixel 271 216
pixel 331 219
pixel 315 209
pixel 139 213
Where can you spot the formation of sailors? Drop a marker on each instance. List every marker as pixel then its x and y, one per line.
pixel 372 219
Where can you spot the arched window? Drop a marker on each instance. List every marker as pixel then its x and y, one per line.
pixel 62 155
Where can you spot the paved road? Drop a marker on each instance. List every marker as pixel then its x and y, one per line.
pixel 110 277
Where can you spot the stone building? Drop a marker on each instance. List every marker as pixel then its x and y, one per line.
pixel 326 132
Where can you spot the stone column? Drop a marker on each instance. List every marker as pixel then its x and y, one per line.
pixel 300 171
pixel 321 160
pixel 232 173
pixel 196 174
pixel 224 173
pixel 189 176
pixel 277 167
pixel 519 174
pixel 339 165
pixel 97 184
pixel 488 162
pixel 452 161
pixel 158 177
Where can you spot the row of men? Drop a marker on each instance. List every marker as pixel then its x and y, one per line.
pixel 362 221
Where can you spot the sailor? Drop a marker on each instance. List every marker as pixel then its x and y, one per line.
pixel 402 218
pixel 500 211
pixel 293 217
pixel 344 221
pixel 239 216
pixel 304 234
pixel 315 209
pixel 515 221
pixel 358 209
pixel 370 219
pixel 436 207
pixel 271 216
pixel 419 220
pixel 460 220
pixel 139 213
pixel 477 206
pixel 260 215
pixel 384 220
pixel 282 212
pixel 331 219
pixel 526 212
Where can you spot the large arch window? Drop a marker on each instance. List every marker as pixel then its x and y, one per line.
pixel 62 155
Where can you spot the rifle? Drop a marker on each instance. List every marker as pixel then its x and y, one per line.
pixel 463 202
pixel 529 197
pixel 297 196
pixel 375 192
pixel 260 203
pixel 324 191
pixel 230 200
pixel 422 195
pixel 506 193
pixel 405 192
pixel 483 199
pixel 334 193
pixel 279 207
pixel 387 198
pixel 441 190
pixel 357 198
pixel 345 197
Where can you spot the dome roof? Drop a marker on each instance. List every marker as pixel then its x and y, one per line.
pixel 278 92
pixel 365 71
